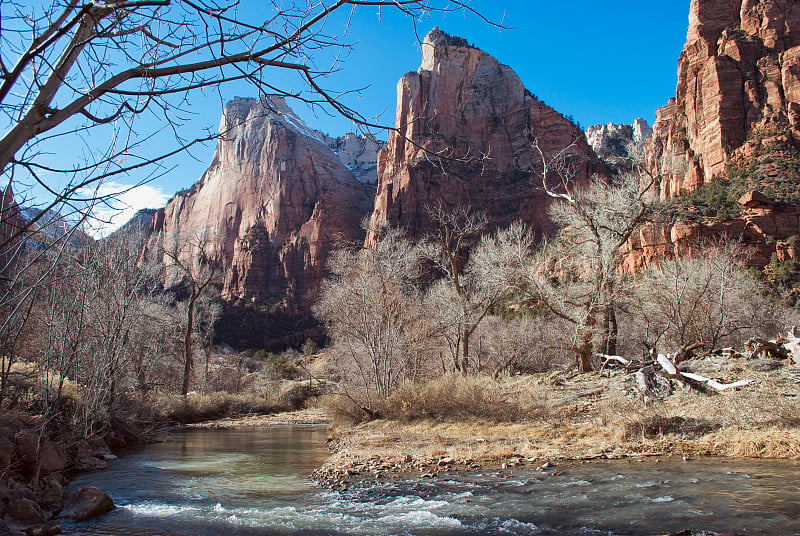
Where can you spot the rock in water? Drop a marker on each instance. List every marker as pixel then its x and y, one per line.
pixel 464 127
pixel 86 503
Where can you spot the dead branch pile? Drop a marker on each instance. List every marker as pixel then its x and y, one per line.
pixel 658 376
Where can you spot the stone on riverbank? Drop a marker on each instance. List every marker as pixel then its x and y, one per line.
pixel 88 502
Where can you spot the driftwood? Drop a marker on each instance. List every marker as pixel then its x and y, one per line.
pixel 764 349
pixel 686 352
pixel 695 380
pixel 714 384
pixel 612 361
pixel 792 346
pixel 656 380
pixel 651 384
pixel 667 364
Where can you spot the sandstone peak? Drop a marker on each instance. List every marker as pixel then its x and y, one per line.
pixel 614 140
pixel 464 128
pixel 439 45
pixel 272 204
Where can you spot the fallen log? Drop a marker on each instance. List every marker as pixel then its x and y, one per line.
pixel 714 384
pixel 686 352
pixel 759 347
pixel 651 385
pixel 667 364
pixel 696 380
pixel 608 359
pixel 792 346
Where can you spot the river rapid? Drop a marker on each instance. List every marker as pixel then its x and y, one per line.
pixel 254 481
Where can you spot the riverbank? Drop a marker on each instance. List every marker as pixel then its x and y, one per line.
pixel 306 416
pixel 582 417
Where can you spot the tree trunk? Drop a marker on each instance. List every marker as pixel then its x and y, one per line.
pixel 611 331
pixel 465 353
pixel 187 346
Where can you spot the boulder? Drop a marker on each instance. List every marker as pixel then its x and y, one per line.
pixel 755 199
pixel 6 451
pixel 23 512
pixel 51 493
pixel 50 458
pixel 86 503
pixel 47 529
pixel 5 530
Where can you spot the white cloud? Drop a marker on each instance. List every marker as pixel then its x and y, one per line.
pixel 112 213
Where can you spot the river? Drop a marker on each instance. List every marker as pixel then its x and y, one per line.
pixel 254 481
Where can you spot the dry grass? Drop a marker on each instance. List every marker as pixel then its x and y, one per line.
pixel 205 407
pixel 456 398
pixel 577 417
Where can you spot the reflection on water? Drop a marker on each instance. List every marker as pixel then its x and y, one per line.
pixel 254 481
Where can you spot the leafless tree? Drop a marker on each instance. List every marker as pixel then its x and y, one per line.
pixel 373 309
pixel 707 298
pixel 476 276
pixel 122 70
pixel 196 265
pixel 578 277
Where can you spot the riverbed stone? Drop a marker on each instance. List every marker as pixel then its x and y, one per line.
pixel 51 493
pixel 23 512
pixel 5 530
pixel 86 503
pixel 47 529
pixel 50 458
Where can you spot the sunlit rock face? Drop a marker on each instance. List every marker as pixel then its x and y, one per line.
pixel 768 230
pixel 738 85
pixel 273 203
pixel 616 141
pixel 465 125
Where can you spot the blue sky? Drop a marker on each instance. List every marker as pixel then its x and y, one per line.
pixel 596 61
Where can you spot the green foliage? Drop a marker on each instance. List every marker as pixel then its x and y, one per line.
pixel 716 199
pixel 772 167
pixel 783 279
pixel 277 366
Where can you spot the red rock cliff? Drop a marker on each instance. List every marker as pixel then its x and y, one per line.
pixel 738 74
pixel 273 202
pixel 465 124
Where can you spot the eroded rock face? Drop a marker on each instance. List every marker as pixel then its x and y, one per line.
pixel 465 125
pixel 614 141
pixel 359 154
pixel 738 81
pixel 272 204
pixel 765 228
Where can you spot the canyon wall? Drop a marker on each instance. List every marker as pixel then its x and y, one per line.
pixel 272 204
pixel 738 88
pixel 464 128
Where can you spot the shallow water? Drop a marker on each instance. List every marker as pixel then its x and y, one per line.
pixel 254 481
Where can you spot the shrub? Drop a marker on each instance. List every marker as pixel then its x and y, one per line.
pixel 454 398
pixel 198 408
